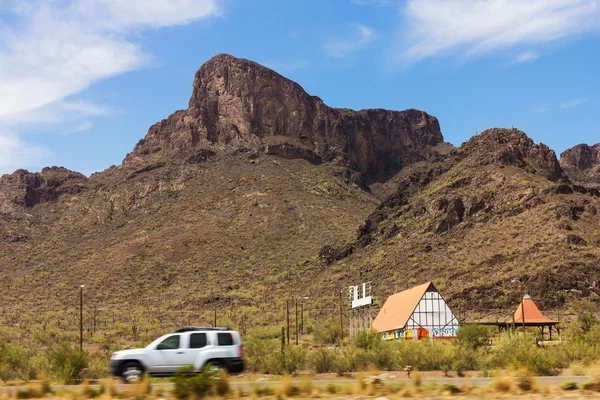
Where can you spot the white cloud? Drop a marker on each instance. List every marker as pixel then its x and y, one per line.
pixel 477 27
pixel 15 153
pixel 526 56
pixel 81 127
pixel 359 38
pixel 53 50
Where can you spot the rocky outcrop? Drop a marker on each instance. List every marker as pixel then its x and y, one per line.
pixel 236 102
pixel 582 164
pixel 513 147
pixel 24 188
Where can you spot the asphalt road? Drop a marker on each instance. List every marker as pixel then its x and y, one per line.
pixel 543 380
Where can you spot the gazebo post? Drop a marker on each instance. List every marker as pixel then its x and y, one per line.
pixel 550 327
pixel 542 332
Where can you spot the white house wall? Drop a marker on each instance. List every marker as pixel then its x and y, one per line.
pixel 434 315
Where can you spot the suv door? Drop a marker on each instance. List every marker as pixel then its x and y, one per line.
pixel 168 355
pixel 196 344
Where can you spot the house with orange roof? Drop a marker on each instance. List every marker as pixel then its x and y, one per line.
pixel 416 313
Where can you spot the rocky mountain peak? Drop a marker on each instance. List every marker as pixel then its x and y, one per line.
pixel 582 164
pixel 509 146
pixel 27 189
pixel 237 102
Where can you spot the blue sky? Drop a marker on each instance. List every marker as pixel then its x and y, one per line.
pixel 81 81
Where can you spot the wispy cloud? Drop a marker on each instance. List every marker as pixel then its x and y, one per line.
pixel 471 28
pixel 562 106
pixel 53 50
pixel 526 56
pixel 572 103
pixel 16 153
pixel 359 37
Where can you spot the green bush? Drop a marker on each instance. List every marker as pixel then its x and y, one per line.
pixel 323 360
pixel 14 362
pixel 329 335
pixel 473 336
pixel 67 362
pixel 451 388
pixel 189 384
pixel 367 340
pixel 570 385
pixel 294 358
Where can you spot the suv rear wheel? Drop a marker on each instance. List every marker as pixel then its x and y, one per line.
pixel 132 372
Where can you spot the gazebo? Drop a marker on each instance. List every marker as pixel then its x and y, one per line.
pixel 527 314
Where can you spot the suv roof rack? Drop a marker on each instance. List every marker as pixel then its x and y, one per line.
pixel 199 328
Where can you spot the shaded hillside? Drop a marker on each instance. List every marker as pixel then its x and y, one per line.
pixel 499 208
pixel 582 164
pixel 229 200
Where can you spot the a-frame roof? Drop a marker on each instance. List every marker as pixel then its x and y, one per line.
pixel 532 313
pixel 398 308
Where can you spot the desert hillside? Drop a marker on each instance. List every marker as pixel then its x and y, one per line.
pixel 258 192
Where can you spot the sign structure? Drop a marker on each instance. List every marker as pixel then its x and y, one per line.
pixel 360 302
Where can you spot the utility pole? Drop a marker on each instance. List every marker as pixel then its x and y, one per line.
pixel 302 318
pixel 341 320
pixel 296 322
pixel 215 321
pixel 522 305
pixel 287 311
pixel 81 318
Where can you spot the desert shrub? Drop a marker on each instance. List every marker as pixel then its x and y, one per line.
pixel 323 360
pixel 524 379
pixel 330 334
pixel 473 336
pixel 589 385
pixel 262 390
pixel 451 388
pixel 188 384
pixel 288 388
pixel 97 366
pixel 294 358
pixel 465 359
pixel 67 362
pixel 502 384
pixel 350 359
pixel 222 386
pixel 263 355
pixel 14 362
pixel 382 357
pixel 332 388
pixel 569 385
pixel 367 340
pixel 519 352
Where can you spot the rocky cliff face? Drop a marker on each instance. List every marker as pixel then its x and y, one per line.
pixel 26 189
pixel 582 164
pixel 241 103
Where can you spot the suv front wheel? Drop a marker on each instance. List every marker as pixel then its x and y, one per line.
pixel 132 372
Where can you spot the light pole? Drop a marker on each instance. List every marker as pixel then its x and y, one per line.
pixel 81 318
pixel 522 302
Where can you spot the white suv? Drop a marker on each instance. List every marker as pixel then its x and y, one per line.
pixel 217 347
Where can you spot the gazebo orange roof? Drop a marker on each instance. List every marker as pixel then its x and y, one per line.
pixel 532 313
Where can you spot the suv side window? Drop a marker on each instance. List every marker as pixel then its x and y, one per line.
pixel 170 343
pixel 197 340
pixel 225 339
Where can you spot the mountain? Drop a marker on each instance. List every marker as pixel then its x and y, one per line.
pixel 228 200
pixel 582 164
pixel 499 208
pixel 259 192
